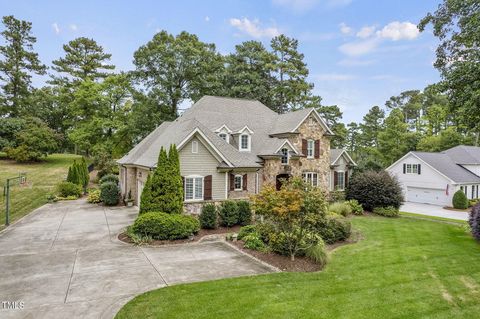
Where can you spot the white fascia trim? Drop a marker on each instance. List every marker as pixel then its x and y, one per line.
pixel 319 119
pixel 290 145
pixel 199 132
pixel 224 126
pixel 243 129
pixel 348 156
pixel 421 160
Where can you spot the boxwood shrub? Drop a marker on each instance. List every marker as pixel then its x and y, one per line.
pixel 375 189
pixel 460 200
pixel 109 178
pixel 66 189
pixel 333 228
pixel 209 217
pixel 164 226
pixel 244 213
pixel 228 213
pixel 386 211
pixel 246 230
pixel 109 193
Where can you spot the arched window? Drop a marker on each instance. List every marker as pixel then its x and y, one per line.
pixel 285 156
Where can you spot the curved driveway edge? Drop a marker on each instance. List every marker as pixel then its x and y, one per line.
pixel 64 261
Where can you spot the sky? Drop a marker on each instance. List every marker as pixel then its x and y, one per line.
pixel 359 52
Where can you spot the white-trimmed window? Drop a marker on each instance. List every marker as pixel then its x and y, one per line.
pixel 194 147
pixel 341 180
pixel 285 156
pixel 244 143
pixel 238 182
pixel 310 178
pixel 193 188
pixel 412 168
pixel 310 148
pixel 224 136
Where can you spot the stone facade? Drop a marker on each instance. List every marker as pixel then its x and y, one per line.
pixel 251 186
pixel 309 129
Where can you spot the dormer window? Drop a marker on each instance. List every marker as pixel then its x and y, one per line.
pixel 285 156
pixel 224 136
pixel 244 142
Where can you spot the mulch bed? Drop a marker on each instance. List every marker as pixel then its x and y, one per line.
pixel 202 233
pixel 300 264
pixel 457 210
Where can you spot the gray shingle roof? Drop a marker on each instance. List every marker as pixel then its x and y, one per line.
pixel 443 163
pixel 464 154
pixel 208 115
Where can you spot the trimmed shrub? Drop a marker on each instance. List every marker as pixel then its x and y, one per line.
pixel 355 206
pixel 264 229
pixel 208 216
pixel 66 189
pixel 109 178
pixel 246 230
pixel 343 209
pixel 228 213
pixel 474 221
pixel 94 196
pixel 164 226
pixel 389 211
pixel 333 229
pixel 336 196
pixel 278 242
pixel 375 189
pixel 109 193
pixel 244 213
pixel 253 241
pixel 460 200
pixel 318 253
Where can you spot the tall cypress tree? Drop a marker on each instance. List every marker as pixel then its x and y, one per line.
pixel 84 169
pixel 146 196
pixel 174 199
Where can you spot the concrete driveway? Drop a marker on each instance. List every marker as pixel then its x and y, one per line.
pixel 432 210
pixel 64 261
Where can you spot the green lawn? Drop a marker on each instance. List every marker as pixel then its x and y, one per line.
pixel 403 268
pixel 42 178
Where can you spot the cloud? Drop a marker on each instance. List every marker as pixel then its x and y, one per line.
pixel 253 28
pixel 345 29
pixel 334 77
pixel 301 6
pixel 207 19
pixel 358 48
pixel 355 62
pixel 366 32
pixel 73 27
pixel 399 31
pixel 56 28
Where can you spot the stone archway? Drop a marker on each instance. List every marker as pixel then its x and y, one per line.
pixel 280 179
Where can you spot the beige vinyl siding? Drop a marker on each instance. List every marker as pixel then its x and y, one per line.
pixel 202 163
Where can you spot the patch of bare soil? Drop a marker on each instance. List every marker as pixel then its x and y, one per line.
pixel 197 237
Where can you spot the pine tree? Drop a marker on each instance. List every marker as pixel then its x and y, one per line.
pixel 18 62
pixel 74 174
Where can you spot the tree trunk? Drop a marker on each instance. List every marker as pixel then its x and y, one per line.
pixel 292 257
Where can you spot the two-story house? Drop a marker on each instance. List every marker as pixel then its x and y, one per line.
pixel 229 148
pixel 433 178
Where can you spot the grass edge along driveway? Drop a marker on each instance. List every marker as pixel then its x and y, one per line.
pixel 42 177
pixel 403 268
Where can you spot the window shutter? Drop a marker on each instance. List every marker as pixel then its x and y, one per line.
pixel 335 179
pixel 183 186
pixel 346 178
pixel 232 185
pixel 419 169
pixel 317 149
pixel 207 187
pixel 304 147
pixel 244 182
pixel 404 168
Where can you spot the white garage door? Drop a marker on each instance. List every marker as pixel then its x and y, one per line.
pixel 427 196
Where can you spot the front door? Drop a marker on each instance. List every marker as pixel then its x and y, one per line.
pixel 139 191
pixel 281 178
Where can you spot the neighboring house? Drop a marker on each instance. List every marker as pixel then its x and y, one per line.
pixel 229 148
pixel 433 178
